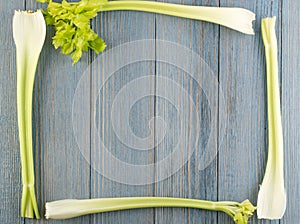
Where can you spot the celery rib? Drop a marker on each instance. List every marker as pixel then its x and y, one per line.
pixel 74 34
pixel 25 80
pixel 70 208
pixel 271 200
pixel 29 31
pixel 235 18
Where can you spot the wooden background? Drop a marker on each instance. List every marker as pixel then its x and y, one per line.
pixel 237 60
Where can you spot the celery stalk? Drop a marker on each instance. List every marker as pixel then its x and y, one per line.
pixel 238 19
pixel 70 208
pixel 29 30
pixel 74 35
pixel 271 200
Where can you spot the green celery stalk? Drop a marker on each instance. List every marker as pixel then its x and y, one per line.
pixel 70 208
pixel 238 19
pixel 29 31
pixel 271 202
pixel 74 34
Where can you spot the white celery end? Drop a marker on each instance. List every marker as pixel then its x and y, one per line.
pixel 61 209
pixel 68 208
pixel 271 202
pixel 29 32
pixel 236 18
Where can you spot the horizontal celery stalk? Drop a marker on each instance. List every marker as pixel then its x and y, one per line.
pixel 271 202
pixel 238 19
pixel 74 35
pixel 70 208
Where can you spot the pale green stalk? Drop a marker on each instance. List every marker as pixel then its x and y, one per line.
pixel 74 35
pixel 235 18
pixel 29 30
pixel 70 208
pixel 271 202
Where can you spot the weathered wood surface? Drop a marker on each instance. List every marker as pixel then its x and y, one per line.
pixel 236 60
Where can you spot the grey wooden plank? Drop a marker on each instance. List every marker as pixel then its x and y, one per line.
pixel 61 170
pixel 118 28
pixel 188 181
pixel 290 106
pixel 10 172
pixel 243 153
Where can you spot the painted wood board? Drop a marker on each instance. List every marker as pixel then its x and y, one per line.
pixel 65 170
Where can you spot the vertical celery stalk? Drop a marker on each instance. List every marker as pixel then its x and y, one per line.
pixel 271 202
pixel 29 31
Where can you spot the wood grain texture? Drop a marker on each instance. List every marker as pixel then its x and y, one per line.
pixel 290 81
pixel 188 181
pixel 119 28
pixel 10 176
pixel 61 171
pixel 243 153
pixel 236 60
